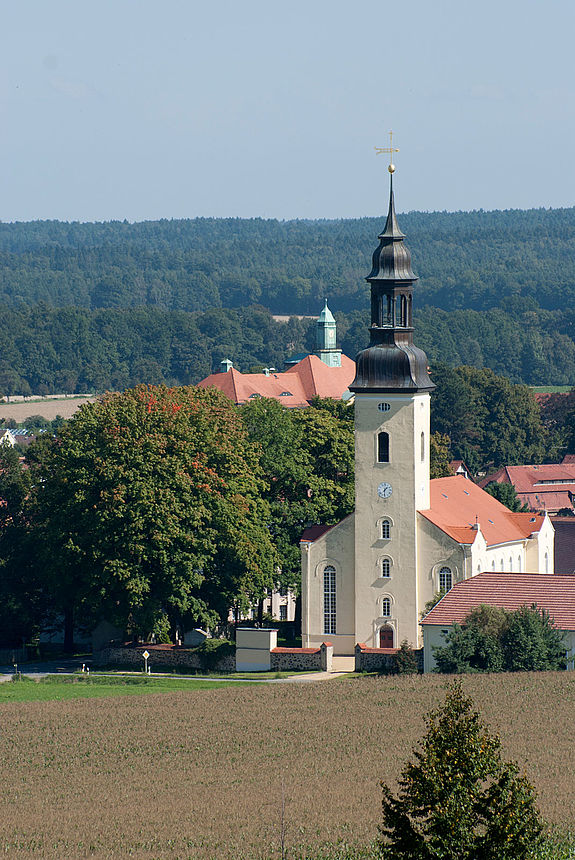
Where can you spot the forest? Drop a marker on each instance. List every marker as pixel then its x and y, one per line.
pixel 109 305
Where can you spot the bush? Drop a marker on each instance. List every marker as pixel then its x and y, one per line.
pixel 491 639
pixel 459 799
pixel 212 651
pixel 406 661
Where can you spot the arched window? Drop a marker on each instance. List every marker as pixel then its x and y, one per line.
pixel 385 567
pixel 502 566
pixel 493 565
pixel 422 447
pixel 385 607
pixel 329 604
pixel 510 564
pixel 385 530
pixel 445 579
pixel 546 562
pixel 519 563
pixel 383 447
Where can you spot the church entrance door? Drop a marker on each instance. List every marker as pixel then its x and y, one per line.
pixel 386 637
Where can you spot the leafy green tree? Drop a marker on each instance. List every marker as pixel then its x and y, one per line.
pixel 507 495
pixel 475 645
pixel 22 597
pixel 148 505
pixel 491 639
pixel 307 457
pixel 459 799
pixel 490 421
pixel 531 642
pixel 439 457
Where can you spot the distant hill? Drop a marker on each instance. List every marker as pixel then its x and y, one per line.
pixel 473 260
pixel 112 304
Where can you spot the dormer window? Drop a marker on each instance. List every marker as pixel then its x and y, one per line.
pixel 286 394
pixel 252 396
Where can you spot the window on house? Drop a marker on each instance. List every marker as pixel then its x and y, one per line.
pixel 383 447
pixel 546 562
pixel 445 579
pixel 386 607
pixel 493 565
pixel 385 530
pixel 519 563
pixel 385 567
pixel 329 604
pixel 422 447
pixel 502 566
pixel 283 612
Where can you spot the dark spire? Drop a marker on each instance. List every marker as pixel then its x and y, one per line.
pixel 391 362
pixel 392 259
pixel 391 229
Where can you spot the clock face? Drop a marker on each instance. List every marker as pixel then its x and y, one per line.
pixel 384 490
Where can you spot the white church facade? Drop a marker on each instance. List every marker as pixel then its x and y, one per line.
pixel 368 578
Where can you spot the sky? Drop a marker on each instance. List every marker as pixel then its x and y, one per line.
pixel 147 109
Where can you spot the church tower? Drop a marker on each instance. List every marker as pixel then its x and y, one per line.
pixel 326 338
pixel 392 388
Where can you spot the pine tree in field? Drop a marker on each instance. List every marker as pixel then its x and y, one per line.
pixel 459 800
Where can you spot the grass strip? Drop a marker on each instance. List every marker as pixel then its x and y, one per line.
pixel 64 687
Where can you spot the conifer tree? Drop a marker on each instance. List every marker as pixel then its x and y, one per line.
pixel 458 800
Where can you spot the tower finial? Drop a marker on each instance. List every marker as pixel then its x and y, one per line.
pixel 389 149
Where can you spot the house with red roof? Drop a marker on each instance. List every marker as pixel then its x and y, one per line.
pixel 548 487
pixel 325 373
pixel 555 594
pixel 368 578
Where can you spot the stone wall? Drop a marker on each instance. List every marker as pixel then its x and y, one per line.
pixel 302 659
pixel 382 660
pixel 162 657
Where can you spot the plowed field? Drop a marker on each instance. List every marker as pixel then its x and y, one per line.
pixel 199 774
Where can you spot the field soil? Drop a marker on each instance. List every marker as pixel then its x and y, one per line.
pixel 201 774
pixel 50 409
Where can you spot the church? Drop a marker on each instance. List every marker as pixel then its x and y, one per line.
pixel 368 578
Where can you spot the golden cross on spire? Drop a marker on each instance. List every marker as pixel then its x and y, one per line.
pixel 390 150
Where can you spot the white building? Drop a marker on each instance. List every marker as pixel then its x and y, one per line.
pixel 368 578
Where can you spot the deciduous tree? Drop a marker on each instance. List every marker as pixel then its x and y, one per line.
pixel 147 505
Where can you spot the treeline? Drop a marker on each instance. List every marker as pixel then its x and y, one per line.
pixel 515 260
pixel 45 350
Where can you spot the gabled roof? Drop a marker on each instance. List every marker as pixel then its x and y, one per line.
pixel 510 591
pixel 547 486
pixel 307 379
pixel 458 504
pixel 528 479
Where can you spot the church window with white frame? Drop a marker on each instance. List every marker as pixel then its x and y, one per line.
pixel 385 568
pixel 445 579
pixel 385 530
pixel 329 599
pixel 385 607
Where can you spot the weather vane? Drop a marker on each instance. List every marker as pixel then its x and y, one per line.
pixel 390 150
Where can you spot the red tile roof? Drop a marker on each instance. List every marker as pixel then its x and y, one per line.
pixel 457 504
pixel 314 532
pixel 542 487
pixel 307 379
pixel 510 591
